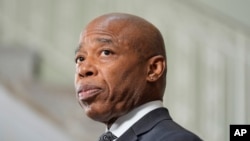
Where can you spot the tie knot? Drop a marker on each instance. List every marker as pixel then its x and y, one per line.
pixel 108 136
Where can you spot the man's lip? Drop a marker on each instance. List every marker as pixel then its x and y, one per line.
pixel 86 92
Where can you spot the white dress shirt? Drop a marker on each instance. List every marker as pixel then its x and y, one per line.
pixel 122 124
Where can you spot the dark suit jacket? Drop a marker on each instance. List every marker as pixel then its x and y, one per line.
pixel 157 126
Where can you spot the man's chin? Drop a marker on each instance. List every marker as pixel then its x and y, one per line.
pixel 91 112
pixel 100 116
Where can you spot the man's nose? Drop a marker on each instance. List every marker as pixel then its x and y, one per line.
pixel 86 69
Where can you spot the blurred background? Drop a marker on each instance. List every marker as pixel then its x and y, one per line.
pixel 208 49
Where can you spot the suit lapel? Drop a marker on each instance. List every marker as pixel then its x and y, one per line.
pixel 145 124
pixel 129 135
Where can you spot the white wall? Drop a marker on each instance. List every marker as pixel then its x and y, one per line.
pixel 19 123
pixel 208 61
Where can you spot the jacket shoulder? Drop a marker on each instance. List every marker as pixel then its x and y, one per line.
pixel 161 127
pixel 168 130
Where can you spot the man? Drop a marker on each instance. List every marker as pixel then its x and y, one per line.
pixel 120 79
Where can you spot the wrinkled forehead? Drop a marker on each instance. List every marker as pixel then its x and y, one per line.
pixel 106 27
pixel 95 34
pixel 101 35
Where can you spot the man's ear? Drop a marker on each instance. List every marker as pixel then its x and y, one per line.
pixel 156 67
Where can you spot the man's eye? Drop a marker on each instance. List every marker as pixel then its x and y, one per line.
pixel 106 52
pixel 79 59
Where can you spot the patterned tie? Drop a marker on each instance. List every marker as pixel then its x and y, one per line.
pixel 108 136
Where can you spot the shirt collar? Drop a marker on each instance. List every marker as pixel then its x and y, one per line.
pixel 123 123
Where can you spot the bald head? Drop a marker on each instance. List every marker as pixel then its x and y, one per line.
pixel 132 30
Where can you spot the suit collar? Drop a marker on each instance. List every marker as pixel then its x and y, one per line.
pixel 150 120
pixel 145 124
pixel 123 123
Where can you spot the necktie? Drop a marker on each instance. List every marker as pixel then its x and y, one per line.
pixel 108 136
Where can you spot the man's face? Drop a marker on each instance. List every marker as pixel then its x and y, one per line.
pixel 110 78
